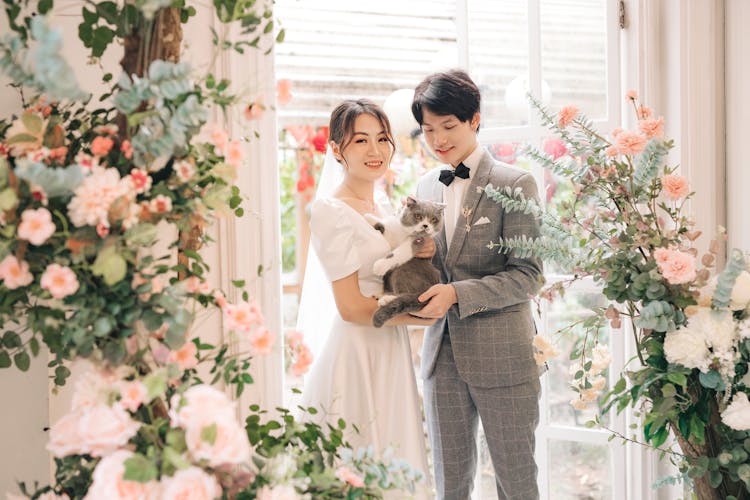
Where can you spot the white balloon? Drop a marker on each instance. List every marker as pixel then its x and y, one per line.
pixel 398 108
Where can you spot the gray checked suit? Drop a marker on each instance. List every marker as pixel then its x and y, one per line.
pixel 477 361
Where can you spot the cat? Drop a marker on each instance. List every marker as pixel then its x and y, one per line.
pixel 406 277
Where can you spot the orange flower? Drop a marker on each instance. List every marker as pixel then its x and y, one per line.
pixel 566 115
pixel 100 146
pixel 652 127
pixel 674 187
pixel 630 143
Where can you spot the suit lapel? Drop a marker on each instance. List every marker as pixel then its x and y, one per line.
pixel 468 208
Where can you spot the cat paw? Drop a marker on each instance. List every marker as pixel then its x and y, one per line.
pixel 381 267
pixel 385 299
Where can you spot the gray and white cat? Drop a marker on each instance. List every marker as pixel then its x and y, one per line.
pixel 406 277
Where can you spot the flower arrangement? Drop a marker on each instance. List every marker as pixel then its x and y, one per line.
pixel 622 225
pixel 103 210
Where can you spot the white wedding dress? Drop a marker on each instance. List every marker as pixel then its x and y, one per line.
pixel 363 374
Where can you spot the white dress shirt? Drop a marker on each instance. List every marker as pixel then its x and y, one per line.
pixel 453 195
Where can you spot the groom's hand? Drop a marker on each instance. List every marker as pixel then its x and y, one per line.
pixel 426 250
pixel 441 298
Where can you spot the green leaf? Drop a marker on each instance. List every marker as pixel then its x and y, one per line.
pixel 89 17
pixel 5 359
pixel 44 6
pixel 11 340
pixel 102 37
pixel 697 429
pixel 711 380
pixel 110 265
pixel 32 122
pixel 140 469
pixel 34 346
pixel 61 374
pixel 208 434
pixel 22 360
pixel 677 378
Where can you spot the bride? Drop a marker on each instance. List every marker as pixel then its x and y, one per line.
pixel 361 374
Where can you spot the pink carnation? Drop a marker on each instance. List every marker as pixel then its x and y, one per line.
pixel 630 143
pixel 652 127
pixel 60 281
pixel 262 340
pixel 676 267
pixel 566 115
pixel 15 274
pixel 675 187
pixel 36 226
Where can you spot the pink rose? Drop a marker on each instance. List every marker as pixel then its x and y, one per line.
pixel 675 187
pixel 103 429
pixel 60 281
pixel 346 475
pixel 278 492
pixel 199 404
pixel 190 484
pixel 100 146
pixel 108 481
pixel 566 116
pixel 676 267
pixel 228 443
pixel 15 274
pixel 64 438
pixel 630 143
pixel 262 340
pixel 652 127
pixel 36 226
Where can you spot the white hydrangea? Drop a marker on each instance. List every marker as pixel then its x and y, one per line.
pixel 741 292
pixel 687 347
pixel 737 414
pixel 716 327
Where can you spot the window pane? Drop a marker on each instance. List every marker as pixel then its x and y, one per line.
pixel 574 306
pixel 574 54
pixel 579 471
pixel 499 59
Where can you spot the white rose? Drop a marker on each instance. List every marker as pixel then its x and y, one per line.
pixel 717 326
pixel 103 429
pixel 109 484
pixel 687 347
pixel 280 492
pixel 199 404
pixel 280 467
pixel 741 292
pixel 190 484
pixel 737 414
pixel 230 444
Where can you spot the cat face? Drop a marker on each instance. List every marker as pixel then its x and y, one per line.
pixel 422 217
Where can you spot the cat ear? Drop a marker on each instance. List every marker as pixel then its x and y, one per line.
pixel 441 206
pixel 410 201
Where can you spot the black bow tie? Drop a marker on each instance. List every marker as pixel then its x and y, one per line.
pixel 447 175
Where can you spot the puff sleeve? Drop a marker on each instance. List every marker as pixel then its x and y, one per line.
pixel 332 236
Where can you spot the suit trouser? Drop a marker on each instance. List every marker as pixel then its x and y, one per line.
pixel 509 417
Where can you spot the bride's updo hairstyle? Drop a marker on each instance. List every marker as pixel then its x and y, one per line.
pixel 341 127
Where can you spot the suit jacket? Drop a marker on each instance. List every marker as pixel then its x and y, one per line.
pixel 491 327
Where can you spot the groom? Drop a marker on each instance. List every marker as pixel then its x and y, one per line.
pixel 477 360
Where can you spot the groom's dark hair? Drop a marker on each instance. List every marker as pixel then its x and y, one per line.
pixel 447 93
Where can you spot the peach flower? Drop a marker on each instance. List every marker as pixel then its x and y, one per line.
pixel 262 340
pixel 346 475
pixel 127 149
pixel 255 110
pixel 235 154
pixel 242 316
pixel 630 143
pixel 676 267
pixel 108 480
pixel 140 180
pixel 100 146
pixel 304 360
pixel 103 429
pixel 566 115
pixel 190 484
pixel 132 394
pixel 60 281
pixel 161 204
pixel 185 356
pixel 652 127
pixel 283 91
pixel 229 444
pixel 220 138
pixel 675 187
pixel 36 226
pixel 15 274
pixel 632 95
